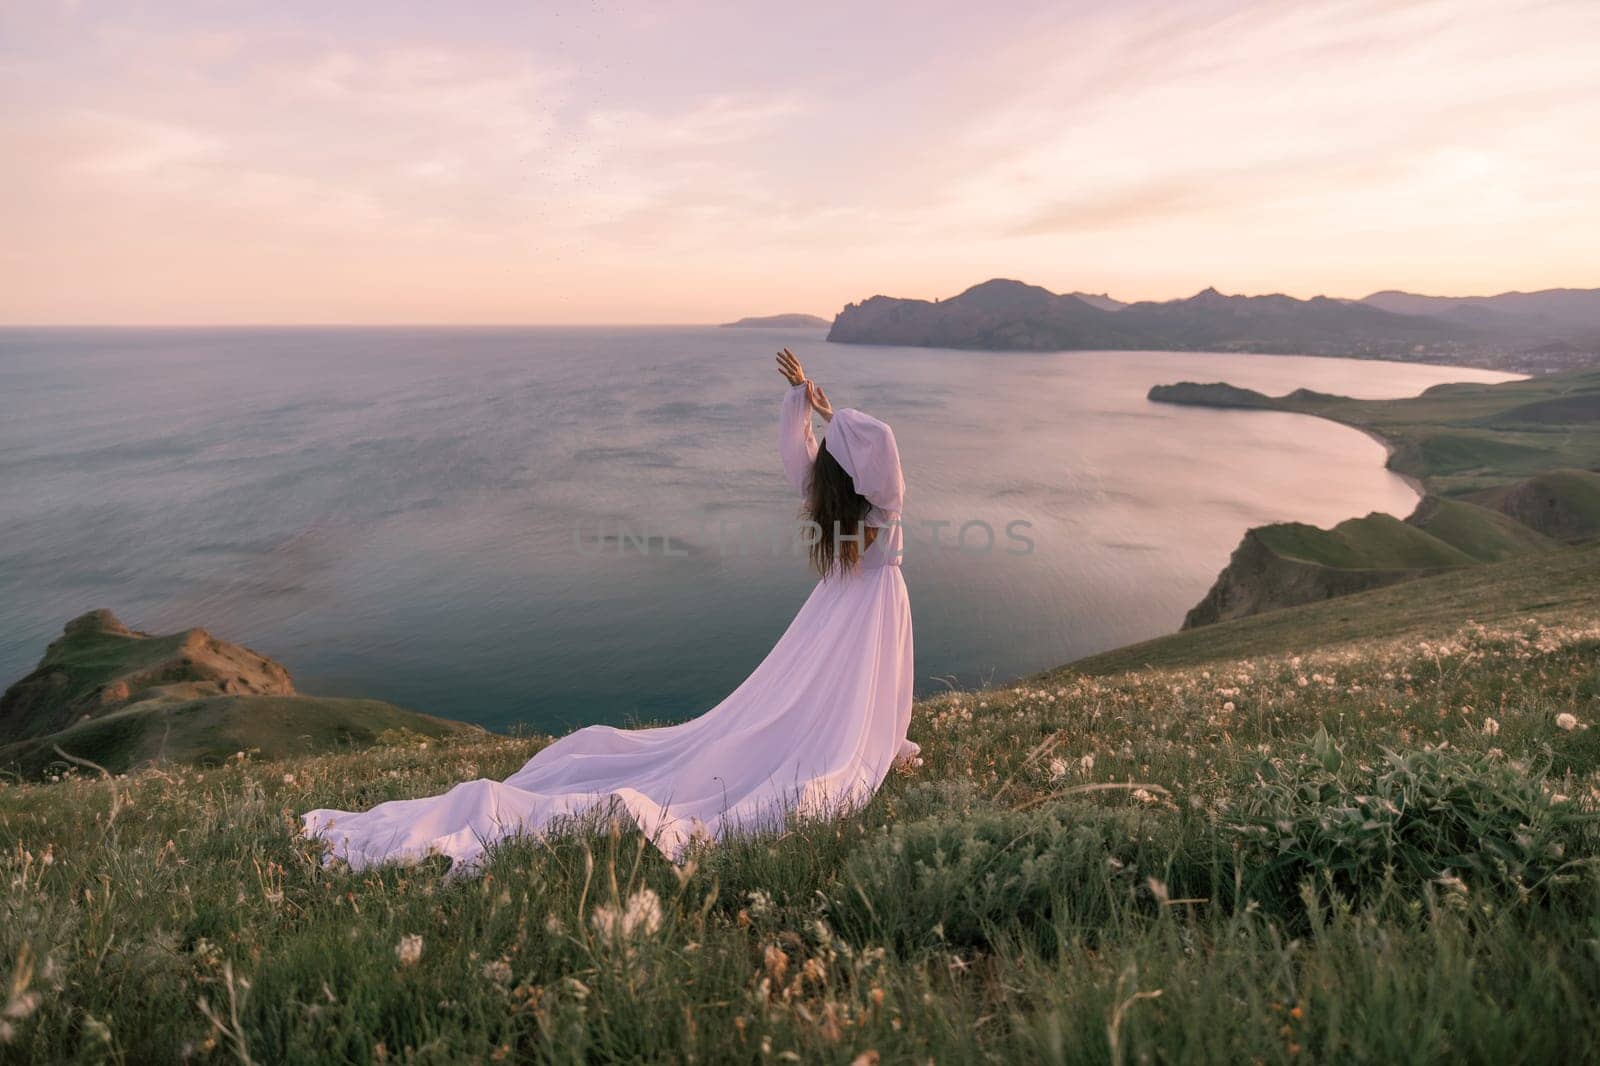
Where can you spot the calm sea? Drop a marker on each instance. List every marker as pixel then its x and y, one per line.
pixel 563 526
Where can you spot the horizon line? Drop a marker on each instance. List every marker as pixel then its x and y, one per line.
pixel 376 325
pixel 719 324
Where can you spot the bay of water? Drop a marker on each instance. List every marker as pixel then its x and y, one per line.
pixel 559 526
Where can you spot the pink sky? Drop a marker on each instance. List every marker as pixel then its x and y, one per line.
pixel 693 162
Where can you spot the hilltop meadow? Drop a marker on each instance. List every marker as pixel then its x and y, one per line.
pixel 1362 830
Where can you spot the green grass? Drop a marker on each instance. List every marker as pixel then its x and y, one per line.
pixel 1559 503
pixel 1376 542
pixel 1484 535
pixel 1547 587
pixel 1466 460
pixel 1367 837
pixel 213 730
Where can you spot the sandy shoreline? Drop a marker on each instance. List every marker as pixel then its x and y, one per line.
pixel 1389 448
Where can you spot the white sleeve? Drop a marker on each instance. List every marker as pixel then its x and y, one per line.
pixel 796 445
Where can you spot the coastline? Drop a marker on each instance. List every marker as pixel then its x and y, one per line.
pixel 1482 423
pixel 1389 448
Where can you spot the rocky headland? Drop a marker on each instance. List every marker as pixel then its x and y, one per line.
pixel 115 697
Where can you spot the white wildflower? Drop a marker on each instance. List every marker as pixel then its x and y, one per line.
pixel 604 920
pixel 22 1004
pixel 1491 728
pixel 641 917
pixel 1566 721
pixel 409 950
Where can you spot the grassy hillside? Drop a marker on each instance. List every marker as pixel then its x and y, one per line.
pixel 1483 534
pixel 1564 504
pixel 1354 832
pixel 212 731
pixel 1548 588
pixel 1378 541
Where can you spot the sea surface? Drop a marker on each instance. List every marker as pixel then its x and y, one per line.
pixel 550 527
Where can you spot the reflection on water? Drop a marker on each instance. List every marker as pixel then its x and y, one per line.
pixel 401 513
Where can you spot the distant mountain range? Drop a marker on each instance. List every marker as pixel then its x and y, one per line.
pixel 1550 330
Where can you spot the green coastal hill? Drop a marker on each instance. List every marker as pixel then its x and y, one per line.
pixel 1509 470
pixel 120 698
pixel 1357 831
pixel 1548 589
pixel 1485 533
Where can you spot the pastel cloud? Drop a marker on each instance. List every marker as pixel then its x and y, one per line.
pixel 698 161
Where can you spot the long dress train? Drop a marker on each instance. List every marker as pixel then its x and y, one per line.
pixel 813 730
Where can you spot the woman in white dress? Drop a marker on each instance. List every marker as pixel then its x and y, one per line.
pixel 812 732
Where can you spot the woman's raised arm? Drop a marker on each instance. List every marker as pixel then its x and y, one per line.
pixel 796 445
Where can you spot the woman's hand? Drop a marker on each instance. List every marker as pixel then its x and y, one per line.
pixel 790 367
pixel 819 401
pixel 795 374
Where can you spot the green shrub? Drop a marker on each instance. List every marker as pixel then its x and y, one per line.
pixel 937 798
pixel 971 878
pixel 1457 819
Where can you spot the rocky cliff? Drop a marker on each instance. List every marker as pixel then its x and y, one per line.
pixel 118 697
pixel 1259 578
pixel 98 666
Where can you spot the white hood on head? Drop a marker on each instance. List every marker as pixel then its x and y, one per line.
pixel 865 447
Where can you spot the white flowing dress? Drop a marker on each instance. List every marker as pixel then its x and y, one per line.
pixel 812 732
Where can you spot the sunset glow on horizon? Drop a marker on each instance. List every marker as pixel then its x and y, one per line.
pixel 696 162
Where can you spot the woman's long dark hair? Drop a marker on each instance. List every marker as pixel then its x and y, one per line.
pixel 839 512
